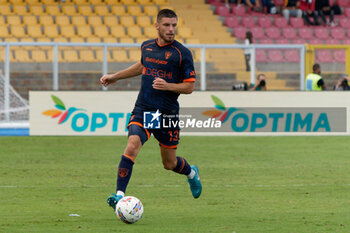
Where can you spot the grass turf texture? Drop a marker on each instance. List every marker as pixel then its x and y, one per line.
pixel 251 184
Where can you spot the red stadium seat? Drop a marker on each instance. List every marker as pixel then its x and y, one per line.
pixel 260 56
pixel 296 22
pixel 282 41
pixel 343 3
pixel 289 33
pixel 266 41
pixel 292 55
pixel 338 33
pixel 273 33
pixel 280 22
pixel 339 55
pixel 344 22
pixel 275 56
pixel 264 22
pixel 279 2
pixel 346 41
pixel 315 41
pixel 239 32
pixel 222 11
pixel 305 33
pixel 239 10
pixel 347 12
pixel 333 41
pixel 324 56
pixel 248 22
pixel 299 41
pixel 232 21
pixel 258 33
pixel 321 33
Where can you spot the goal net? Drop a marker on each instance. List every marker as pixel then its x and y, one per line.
pixel 13 108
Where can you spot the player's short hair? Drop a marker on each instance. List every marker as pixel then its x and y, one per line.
pixel 166 13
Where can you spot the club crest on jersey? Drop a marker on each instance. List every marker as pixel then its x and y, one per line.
pixel 168 54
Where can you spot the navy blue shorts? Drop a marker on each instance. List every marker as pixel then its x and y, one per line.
pixel 167 137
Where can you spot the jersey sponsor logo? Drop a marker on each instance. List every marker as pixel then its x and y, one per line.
pixel 157 73
pixel 151 120
pixel 168 54
pixel 123 172
pixel 157 61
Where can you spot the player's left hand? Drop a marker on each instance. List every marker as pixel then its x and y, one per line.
pixel 160 84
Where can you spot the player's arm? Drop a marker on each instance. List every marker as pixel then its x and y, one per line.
pixel 181 88
pixel 129 72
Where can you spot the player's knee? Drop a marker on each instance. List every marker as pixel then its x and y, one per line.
pixel 169 165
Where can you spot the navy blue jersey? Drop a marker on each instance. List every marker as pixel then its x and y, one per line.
pixel 172 62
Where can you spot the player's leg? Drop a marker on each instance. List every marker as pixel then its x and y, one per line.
pixel 137 137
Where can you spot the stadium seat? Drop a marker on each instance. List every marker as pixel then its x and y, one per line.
pixel 346 41
pixel 10 39
pixel 76 39
pixel 84 31
pixel 339 55
pixel 260 56
pixel 20 9
pixel 273 33
pixel 134 55
pixel 14 20
pixel 324 56
pixel 93 39
pixel 296 22
pixel 14 2
pixel 160 2
pixel 232 21
pixel 248 22
pixel 4 32
pixel 150 32
pixel 192 41
pixel 87 55
pixel 67 31
pixel 134 10
pixel 101 31
pixel 265 41
pixel 99 55
pixel 78 20
pixel 34 31
pixel 134 32
pixel 94 20
pixel 70 56
pixel 95 2
pixel 280 22
pixel 239 32
pixel 321 33
pixel 239 10
pixel 184 32
pixel 150 10
pixel 264 22
pixel 127 40
pixel 39 56
pixel 60 39
pixel 128 2
pixel 110 20
pixel 305 33
pixel 222 11
pixel 62 20
pixel 258 32
pixel 343 3
pixel 37 9
pixel 338 33
pixel 144 2
pixel 344 23
pixel 292 55
pixel 43 20
pixel 282 41
pixel 48 2
pixel 275 56
pixel 5 9
pixel 127 21
pixel 68 9
pixel 85 10
pixel 289 33
pixel 102 10
pixel 316 41
pixel 143 20
pixel 51 31
pixel 52 9
pixel 347 12
pixel 118 10
pixel 118 31
pixel 333 41
pixel 21 55
pixel 18 31
pixel 119 55
pixel 110 40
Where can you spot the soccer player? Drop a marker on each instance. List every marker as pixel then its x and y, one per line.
pixel 167 71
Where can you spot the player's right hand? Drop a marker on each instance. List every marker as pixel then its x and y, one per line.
pixel 107 79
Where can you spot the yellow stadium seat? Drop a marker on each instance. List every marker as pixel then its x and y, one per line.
pixel 160 2
pixel 143 20
pixel 85 10
pixel 79 2
pixel 134 32
pixel 3 2
pixel 78 20
pixel 60 39
pixel 51 31
pixel 111 2
pixel 52 10
pixel 34 31
pixel 126 40
pixel 110 20
pixel 67 31
pixel 21 55
pixel 184 32
pixel 141 40
pixel 31 2
pixel 101 10
pixel 5 9
pixel 2 20
pixel 62 20
pixel 128 2
pixel 76 39
pixel 14 20
pixel 151 10
pixel 110 40
pixel 45 39
pixel 95 2
pixel 69 9
pixel 94 20
pixel 84 31
pixel 20 9
pixel 16 2
pixel 39 56
pixel 118 10
pixel 192 41
pixel 11 39
pixel 70 56
pixel 30 20
pixel 87 55
pixel 119 55
pixel 144 2
pixel 101 31
pixel 99 55
pixel 4 31
pixel 127 21
pixel 180 22
pixel 46 20
pixel 150 32
pixel 93 39
pixel 37 9
pixel 48 2
pixel 134 10
pixel 134 55
pixel 18 31
pixel 118 31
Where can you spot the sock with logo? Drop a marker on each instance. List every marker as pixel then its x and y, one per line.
pixel 124 172
pixel 182 167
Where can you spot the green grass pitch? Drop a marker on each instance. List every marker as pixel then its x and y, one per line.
pixel 250 184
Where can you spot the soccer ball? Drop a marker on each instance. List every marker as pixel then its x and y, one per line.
pixel 129 209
